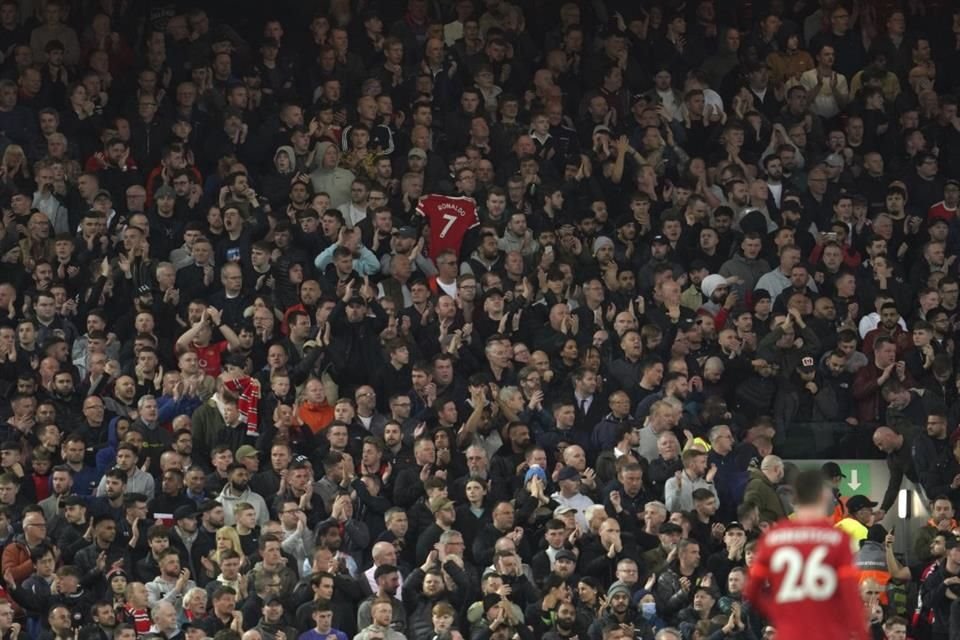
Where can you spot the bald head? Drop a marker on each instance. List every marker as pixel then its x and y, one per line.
pixel 384 553
pixel 887 440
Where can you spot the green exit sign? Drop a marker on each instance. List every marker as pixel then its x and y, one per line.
pixel 857 479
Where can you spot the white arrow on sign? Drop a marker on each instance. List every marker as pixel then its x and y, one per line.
pixel 854 480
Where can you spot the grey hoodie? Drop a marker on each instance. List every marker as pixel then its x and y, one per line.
pixel 335 182
pixel 386 632
pixel 748 270
pixel 287 149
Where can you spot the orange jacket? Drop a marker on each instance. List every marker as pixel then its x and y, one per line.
pixel 16 558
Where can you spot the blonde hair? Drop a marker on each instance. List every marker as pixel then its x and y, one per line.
pixel 227 533
pixel 11 150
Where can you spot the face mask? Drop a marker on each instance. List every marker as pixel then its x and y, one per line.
pixel 649 609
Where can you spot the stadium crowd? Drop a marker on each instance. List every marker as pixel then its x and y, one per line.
pixel 469 320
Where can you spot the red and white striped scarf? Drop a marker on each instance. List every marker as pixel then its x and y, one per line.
pixel 247 390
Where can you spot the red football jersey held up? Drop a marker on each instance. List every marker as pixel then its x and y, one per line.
pixel 804 582
pixel 449 217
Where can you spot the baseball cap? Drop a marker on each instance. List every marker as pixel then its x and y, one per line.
pixel 565 554
pixel 834 160
pixel 734 525
pixel 490 293
pixel 563 510
pixel 601 128
pixel 164 192
pixel 832 470
pixel 417 153
pixel 356 300
pixel 659 239
pixel 670 527
pixel 246 451
pixel 408 232
pixel 185 512
pixel 858 502
pixel 807 364
pixel 102 193
pixel 568 473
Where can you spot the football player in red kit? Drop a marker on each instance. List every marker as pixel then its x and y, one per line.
pixel 803 578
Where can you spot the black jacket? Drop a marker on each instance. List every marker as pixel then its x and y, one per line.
pixel 353 343
pixel 934 594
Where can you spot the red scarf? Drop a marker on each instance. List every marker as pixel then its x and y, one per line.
pixel 247 390
pixel 139 618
